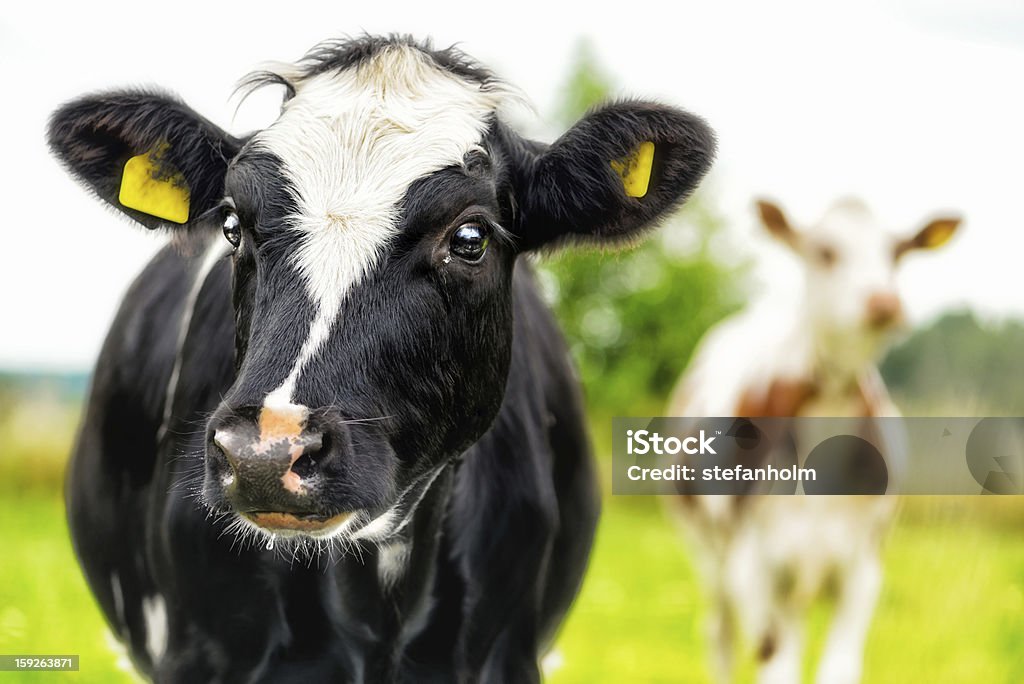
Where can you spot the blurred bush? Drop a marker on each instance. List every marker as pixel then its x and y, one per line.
pixel 633 316
pixel 958 365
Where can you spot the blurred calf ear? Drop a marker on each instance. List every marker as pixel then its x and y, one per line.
pixel 146 154
pixel 935 234
pixel 776 223
pixel 615 173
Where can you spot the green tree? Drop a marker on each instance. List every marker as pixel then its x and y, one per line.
pixel 633 316
pixel 959 366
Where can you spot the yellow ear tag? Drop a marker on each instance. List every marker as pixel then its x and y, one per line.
pixel 939 233
pixel 154 188
pixel 635 170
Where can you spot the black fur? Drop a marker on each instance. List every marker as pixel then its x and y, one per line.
pixel 443 396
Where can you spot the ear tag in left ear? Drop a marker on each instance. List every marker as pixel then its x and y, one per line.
pixel 635 170
pixel 154 187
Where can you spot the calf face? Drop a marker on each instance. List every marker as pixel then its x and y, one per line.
pixel 850 263
pixel 373 231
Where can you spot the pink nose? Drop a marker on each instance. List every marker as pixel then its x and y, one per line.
pixel 884 310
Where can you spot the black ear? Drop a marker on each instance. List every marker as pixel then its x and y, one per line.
pixel 146 154
pixel 616 172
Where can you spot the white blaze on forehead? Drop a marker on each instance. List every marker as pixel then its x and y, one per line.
pixel 851 228
pixel 351 143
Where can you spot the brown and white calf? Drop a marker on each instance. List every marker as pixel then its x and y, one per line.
pixel 767 558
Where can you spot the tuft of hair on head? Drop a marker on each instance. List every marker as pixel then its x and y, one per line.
pixel 347 52
pixel 850 205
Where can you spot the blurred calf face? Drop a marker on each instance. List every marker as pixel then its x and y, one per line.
pixel 850 263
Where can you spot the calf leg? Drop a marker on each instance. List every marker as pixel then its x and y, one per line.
pixel 722 637
pixel 842 659
pixel 760 591
pixel 780 652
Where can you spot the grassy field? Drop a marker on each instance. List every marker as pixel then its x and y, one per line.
pixel 45 607
pixel 952 610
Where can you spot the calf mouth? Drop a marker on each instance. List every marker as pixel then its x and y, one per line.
pixel 308 523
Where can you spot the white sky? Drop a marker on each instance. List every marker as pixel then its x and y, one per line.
pixel 916 106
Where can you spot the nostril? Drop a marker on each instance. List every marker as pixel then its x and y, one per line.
pixel 314 446
pixel 318 447
pixel 304 466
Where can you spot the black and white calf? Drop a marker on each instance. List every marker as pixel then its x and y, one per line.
pixel 346 443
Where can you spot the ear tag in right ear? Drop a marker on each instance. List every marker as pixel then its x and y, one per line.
pixel 154 187
pixel 939 233
pixel 635 170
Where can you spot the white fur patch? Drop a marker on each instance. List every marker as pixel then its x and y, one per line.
pixel 552 662
pixel 384 525
pixel 378 528
pixel 115 590
pixel 154 612
pixel 391 562
pixel 352 143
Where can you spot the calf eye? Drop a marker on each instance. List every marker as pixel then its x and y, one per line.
pixel 826 255
pixel 233 229
pixel 469 242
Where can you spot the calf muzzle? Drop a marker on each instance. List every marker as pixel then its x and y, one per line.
pixel 270 467
pixel 884 310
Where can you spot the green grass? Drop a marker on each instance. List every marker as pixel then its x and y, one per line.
pixel 638 617
pixel 951 611
pixel 45 607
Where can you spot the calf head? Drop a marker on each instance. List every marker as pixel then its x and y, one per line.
pixel 850 263
pixel 373 231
